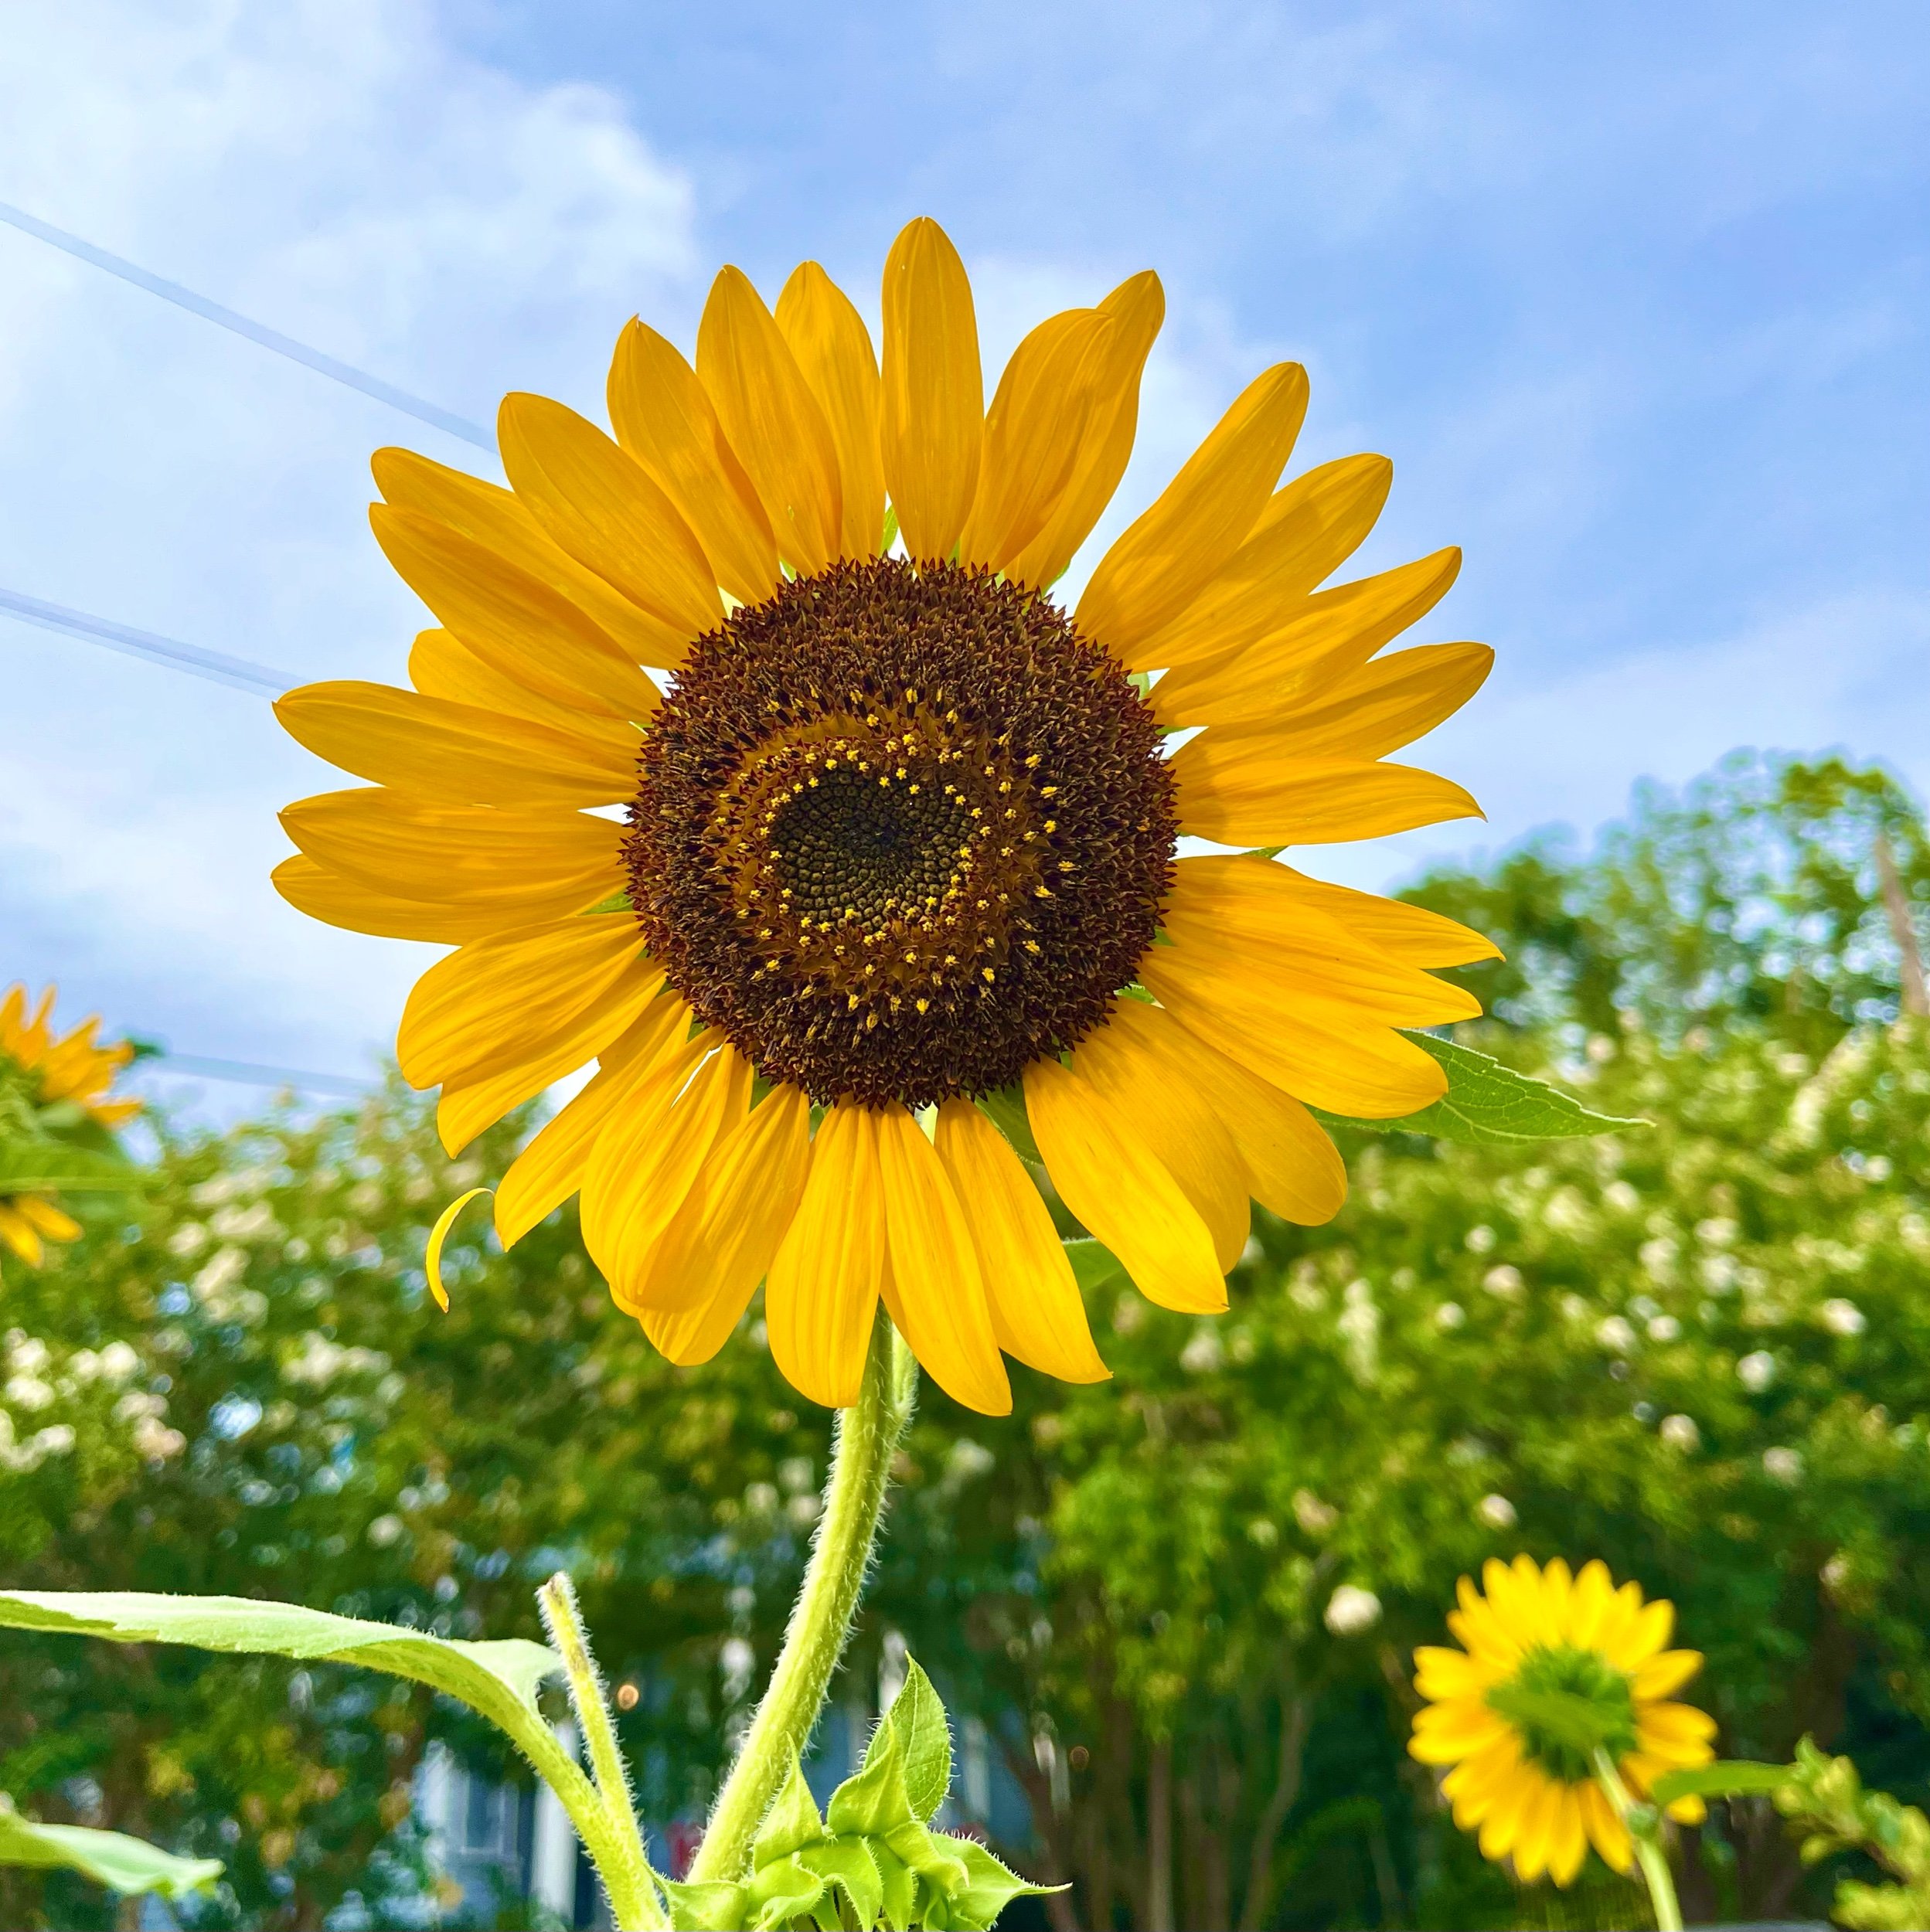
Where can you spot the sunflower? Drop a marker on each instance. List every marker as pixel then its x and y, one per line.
pixel 1551 1660
pixel 41 1077
pixel 893 888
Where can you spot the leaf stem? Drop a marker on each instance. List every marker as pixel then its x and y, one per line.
pixel 866 1439
pixel 616 1850
pixel 1643 1822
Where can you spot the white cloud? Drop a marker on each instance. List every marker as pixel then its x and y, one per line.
pixel 336 171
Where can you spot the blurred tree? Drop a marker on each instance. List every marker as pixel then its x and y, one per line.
pixel 1180 1603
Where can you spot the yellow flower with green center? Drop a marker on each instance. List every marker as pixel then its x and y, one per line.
pixel 1556 1668
pixel 895 883
pixel 45 1074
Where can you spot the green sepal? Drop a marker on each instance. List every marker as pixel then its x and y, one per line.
pixel 899 1897
pixel 131 1866
pixel 924 1741
pixel 1006 1109
pixel 791 1823
pixel 874 1800
pixel 1487 1105
pixel 849 1863
pixel 926 1853
pixel 701 1908
pixel 1725 1778
pixel 1094 1264
pixel 780 1891
pixel 990 1888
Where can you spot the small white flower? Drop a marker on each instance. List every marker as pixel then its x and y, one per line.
pixel 385 1530
pixel 1351 1610
pixel 1504 1280
pixel 139 1405
pixel 1316 1518
pixel 27 1353
pixel 190 1238
pixel 245 1223
pixel 1842 1317
pixel 1836 1573
pixel 155 1440
pixel 1203 1353
pixel 1756 1371
pixel 1664 1328
pixel 226 1268
pixel 804 1510
pixel 1622 1197
pixel 1613 1332
pixel 1449 1316
pixel 1782 1465
pixel 118 1361
pixel 1481 1241
pixel 1719 1273
pixel 1496 1511
pixel 29 1393
pixel 760 1498
pixel 1680 1432
pixel 56 1440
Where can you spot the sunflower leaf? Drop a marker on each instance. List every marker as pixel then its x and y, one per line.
pixel 1487 1105
pixel 791 1823
pixel 1725 1778
pixel 131 1866
pixel 498 1679
pixel 924 1737
pixel 1006 1108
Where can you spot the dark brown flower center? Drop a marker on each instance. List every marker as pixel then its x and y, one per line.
pixel 900 831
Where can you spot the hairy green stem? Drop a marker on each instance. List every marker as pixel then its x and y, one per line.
pixel 611 1838
pixel 1643 1822
pixel 866 1439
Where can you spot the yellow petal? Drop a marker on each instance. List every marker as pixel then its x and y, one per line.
pixel 513 621
pixel 647 1158
pixel 773 421
pixel 601 506
pixel 480 1095
pixel 1291 1167
pixel 833 348
pixel 1411 934
pixel 1329 633
pixel 939 1302
pixel 1135 309
pixel 1033 434
pixel 1306 531
pixel 725 1236
pixel 1182 543
pixel 492 516
pixel 551 1167
pixel 1665 1673
pixel 466 1008
pixel 1251 913
pixel 19 1235
pixel 1123 1062
pixel 1645 1634
pixel 665 419
pixel 432 1255
pixel 463 854
pixel 457 753
pixel 1534 1835
pixel 337 900
pixel 440 666
pixel 1036 1312
pixel 1384 705
pixel 1329 1060
pixel 45 1218
pixel 1609 1834
pixel 1248 788
pixel 1567 1837
pixel 932 430
pixel 1109 1177
pixel 822 1293
pixel 1440 1672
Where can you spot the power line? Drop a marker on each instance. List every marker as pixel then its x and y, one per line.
pixel 328 366
pixel 256 678
pixel 251 1074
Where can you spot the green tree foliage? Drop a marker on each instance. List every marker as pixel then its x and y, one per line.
pixel 1180 1603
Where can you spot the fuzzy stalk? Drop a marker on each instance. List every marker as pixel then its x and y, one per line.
pixel 616 1848
pixel 1643 1822
pixel 866 1439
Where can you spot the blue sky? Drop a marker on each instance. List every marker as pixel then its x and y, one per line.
pixel 1635 297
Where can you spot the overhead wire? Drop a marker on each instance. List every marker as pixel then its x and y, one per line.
pixel 257 678
pixel 330 366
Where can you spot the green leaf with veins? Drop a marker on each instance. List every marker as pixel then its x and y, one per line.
pixel 924 1741
pixel 1487 1105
